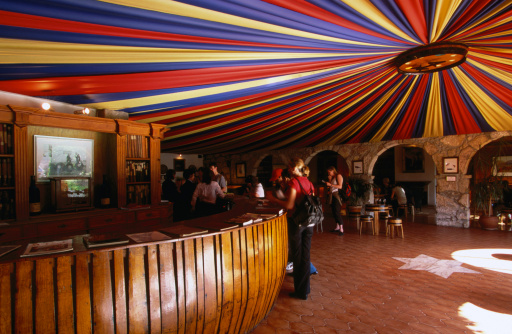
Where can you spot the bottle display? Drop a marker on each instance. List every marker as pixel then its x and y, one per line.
pixel 34 197
pixel 137 171
pixel 138 195
pixel 138 174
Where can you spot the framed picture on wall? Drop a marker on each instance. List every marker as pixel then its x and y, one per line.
pixel 179 165
pixel 413 160
pixel 62 156
pixel 240 169
pixel 503 166
pixel 357 167
pixel 451 165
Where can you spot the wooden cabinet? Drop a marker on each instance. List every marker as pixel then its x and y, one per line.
pixel 127 152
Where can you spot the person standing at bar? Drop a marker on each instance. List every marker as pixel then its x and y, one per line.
pixel 300 236
pixel 221 180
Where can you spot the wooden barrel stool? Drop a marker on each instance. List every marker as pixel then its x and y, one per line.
pixel 384 216
pixel 392 223
pixel 368 220
pixel 356 216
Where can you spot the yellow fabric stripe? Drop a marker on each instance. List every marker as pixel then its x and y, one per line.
pixel 181 9
pixel 37 52
pixel 485 18
pixel 496 117
pixel 444 12
pixel 366 8
pixel 131 103
pixel 389 121
pixel 434 120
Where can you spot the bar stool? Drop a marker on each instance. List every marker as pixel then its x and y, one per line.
pixel 392 223
pixel 355 215
pixel 384 216
pixel 368 220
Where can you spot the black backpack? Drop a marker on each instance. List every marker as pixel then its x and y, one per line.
pixel 309 212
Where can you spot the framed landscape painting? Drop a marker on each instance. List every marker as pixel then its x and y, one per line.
pixel 62 156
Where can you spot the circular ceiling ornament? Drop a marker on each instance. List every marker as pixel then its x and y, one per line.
pixel 431 58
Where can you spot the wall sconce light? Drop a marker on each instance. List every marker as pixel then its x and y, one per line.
pixel 84 111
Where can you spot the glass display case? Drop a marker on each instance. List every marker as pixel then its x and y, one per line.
pixel 70 193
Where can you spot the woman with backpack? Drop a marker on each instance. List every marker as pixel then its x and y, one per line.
pixel 335 183
pixel 299 235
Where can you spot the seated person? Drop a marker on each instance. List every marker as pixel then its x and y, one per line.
pixel 386 189
pixel 257 190
pixel 398 197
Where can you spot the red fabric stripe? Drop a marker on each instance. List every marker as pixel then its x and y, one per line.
pixel 410 116
pixel 303 7
pixel 103 84
pixel 463 121
pixel 46 23
pixel 415 13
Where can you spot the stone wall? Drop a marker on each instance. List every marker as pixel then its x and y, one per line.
pixel 452 197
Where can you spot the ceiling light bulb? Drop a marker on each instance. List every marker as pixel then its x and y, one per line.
pixel 46 106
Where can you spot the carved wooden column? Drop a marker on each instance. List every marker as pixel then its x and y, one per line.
pixel 22 170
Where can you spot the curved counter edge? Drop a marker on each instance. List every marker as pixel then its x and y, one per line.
pixel 216 283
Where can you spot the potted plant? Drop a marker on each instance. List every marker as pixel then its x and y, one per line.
pixel 360 193
pixel 483 194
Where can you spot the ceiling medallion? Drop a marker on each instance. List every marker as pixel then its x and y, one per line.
pixel 431 58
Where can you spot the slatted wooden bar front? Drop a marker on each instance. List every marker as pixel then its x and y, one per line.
pixel 217 283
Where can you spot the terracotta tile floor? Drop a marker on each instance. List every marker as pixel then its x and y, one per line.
pixel 360 288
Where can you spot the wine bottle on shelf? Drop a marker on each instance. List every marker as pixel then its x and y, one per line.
pixel 34 197
pixel 104 193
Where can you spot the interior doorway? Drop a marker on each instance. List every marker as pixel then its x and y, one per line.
pixel 412 168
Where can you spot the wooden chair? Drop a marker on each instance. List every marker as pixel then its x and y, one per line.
pixel 392 223
pixel 405 208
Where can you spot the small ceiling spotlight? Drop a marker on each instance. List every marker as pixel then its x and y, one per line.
pixel 46 106
pixel 431 58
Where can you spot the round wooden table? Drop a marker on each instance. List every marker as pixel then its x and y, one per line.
pixel 376 208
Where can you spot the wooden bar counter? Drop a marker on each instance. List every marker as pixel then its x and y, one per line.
pixel 218 282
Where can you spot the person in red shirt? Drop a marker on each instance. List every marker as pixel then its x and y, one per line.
pixel 300 236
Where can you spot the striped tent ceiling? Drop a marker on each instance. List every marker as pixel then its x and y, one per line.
pixel 242 75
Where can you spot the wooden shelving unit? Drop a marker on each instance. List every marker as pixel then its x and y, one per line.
pixel 118 144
